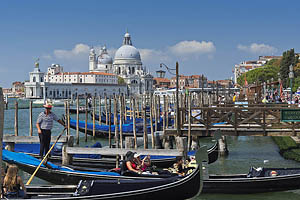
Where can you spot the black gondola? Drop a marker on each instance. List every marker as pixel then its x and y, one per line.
pixel 256 181
pixel 184 187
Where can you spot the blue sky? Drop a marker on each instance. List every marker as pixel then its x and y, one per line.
pixel 205 37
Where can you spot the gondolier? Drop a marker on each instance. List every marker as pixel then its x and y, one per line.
pixel 44 125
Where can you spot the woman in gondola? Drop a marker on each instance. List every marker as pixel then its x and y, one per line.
pixel 130 163
pixel 13 186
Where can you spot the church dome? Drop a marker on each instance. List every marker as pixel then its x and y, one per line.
pixel 128 52
pixel 105 59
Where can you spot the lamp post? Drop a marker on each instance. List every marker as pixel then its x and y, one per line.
pixel 177 98
pixel 291 76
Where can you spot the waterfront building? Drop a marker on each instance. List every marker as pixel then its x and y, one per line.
pixel 57 84
pixel 246 66
pixel 193 81
pixel 127 64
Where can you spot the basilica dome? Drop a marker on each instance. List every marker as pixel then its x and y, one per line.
pixel 128 52
pixel 104 58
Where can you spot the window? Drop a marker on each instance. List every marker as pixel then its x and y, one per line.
pixel 34 79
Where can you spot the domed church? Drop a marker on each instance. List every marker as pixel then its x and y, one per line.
pixel 127 64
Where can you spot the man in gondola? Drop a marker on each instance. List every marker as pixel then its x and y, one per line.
pixel 44 125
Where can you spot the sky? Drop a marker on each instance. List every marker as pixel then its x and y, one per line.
pixel 206 37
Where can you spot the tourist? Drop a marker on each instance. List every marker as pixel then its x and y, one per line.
pixel 44 125
pixel 142 164
pixel 130 164
pixel 13 186
pixel 178 166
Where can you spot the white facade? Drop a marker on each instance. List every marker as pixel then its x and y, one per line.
pixel 56 75
pixel 57 84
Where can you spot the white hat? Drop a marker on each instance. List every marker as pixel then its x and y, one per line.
pixel 136 155
pixel 48 104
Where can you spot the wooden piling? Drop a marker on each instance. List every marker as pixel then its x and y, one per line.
pixel 121 121
pixel 16 119
pixel 106 111
pixel 68 119
pixel 155 112
pixel 151 122
pixel 77 118
pixel 145 129
pixel 94 112
pixel 66 114
pixel 189 121
pixel 164 113
pixel 116 121
pixel 109 122
pixel 134 123
pixel 100 110
pixel 30 118
pixel 86 118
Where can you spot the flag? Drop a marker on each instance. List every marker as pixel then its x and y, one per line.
pixel 246 82
pixel 246 86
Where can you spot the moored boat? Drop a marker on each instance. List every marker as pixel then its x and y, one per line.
pixel 256 181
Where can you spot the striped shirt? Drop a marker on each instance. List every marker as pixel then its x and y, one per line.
pixel 46 121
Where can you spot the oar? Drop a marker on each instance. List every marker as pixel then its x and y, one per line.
pixel 29 181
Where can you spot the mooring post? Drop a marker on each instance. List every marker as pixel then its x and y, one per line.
pixel 189 120
pixel 106 111
pixel 121 122
pixel 16 119
pixel 151 122
pixel 68 118
pixel 116 121
pixel 145 129
pixel 30 118
pixel 94 112
pixel 134 123
pixel 86 118
pixel 109 122
pixel 66 114
pixel 77 118
pixel 100 110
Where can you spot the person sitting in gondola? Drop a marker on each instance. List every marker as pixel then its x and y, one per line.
pixel 13 186
pixel 130 164
pixel 178 166
pixel 142 164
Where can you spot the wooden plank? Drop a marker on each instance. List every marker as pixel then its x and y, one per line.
pixel 118 151
pixel 29 139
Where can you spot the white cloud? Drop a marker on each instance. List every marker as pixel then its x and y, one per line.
pixel 192 48
pixel 257 48
pixel 152 54
pixel 78 50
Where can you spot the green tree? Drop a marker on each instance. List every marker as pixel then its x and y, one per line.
pixel 288 58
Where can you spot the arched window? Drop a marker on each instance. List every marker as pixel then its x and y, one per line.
pixel 34 79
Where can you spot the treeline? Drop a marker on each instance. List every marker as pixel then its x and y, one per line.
pixel 276 68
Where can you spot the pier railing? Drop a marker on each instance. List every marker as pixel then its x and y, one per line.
pixel 231 119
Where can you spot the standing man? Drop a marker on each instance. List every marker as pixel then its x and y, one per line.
pixel 44 125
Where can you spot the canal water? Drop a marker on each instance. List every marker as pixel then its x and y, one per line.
pixel 244 152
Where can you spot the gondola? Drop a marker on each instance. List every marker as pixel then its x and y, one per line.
pixel 177 187
pixel 103 130
pixel 256 181
pixel 81 110
pixel 97 161
pixel 108 183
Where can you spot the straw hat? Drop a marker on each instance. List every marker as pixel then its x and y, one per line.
pixel 48 104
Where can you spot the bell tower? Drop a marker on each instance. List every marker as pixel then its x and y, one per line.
pixel 92 60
